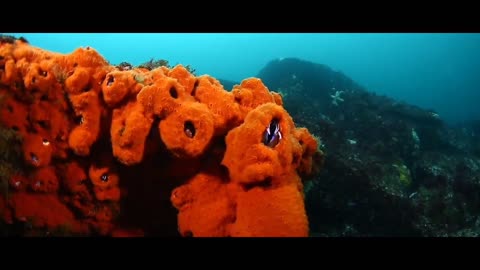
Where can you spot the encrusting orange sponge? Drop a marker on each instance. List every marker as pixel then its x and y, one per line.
pixel 37 151
pixel 87 108
pixel 108 150
pixel 248 158
pixel 221 103
pixel 44 180
pixel 118 85
pixel 188 131
pixel 205 207
pixel 129 130
pixel 279 211
pixel 14 114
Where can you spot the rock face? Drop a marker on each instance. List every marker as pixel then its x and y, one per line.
pixel 391 169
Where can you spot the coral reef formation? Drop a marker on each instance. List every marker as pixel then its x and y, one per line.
pixel 117 150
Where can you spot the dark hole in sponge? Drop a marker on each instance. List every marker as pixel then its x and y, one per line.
pixel 194 90
pixel 188 234
pixel 264 184
pixel 111 80
pixel 44 124
pixel 189 129
pixel 79 119
pixel 173 92
pixel 87 87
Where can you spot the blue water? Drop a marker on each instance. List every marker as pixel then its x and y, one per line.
pixel 434 71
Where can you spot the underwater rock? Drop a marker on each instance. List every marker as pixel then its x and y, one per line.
pixel 390 168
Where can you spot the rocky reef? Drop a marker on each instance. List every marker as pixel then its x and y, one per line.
pixel 124 151
pixel 391 169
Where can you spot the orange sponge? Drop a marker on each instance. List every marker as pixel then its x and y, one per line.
pixel 105 180
pixel 32 207
pixel 129 130
pixel 44 180
pixel 87 109
pixel 74 177
pixel 13 114
pixel 162 97
pixel 188 131
pixel 248 157
pixel 118 85
pixel 97 137
pixel 205 208
pixel 252 93
pixel 309 147
pixel 273 212
pixel 37 151
pixel 185 78
pixel 221 103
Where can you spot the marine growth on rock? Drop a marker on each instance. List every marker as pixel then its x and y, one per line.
pixel 105 147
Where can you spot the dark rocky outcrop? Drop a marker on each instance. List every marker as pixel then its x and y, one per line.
pixel 391 169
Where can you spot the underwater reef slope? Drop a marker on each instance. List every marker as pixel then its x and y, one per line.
pixel 391 169
pixel 115 152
